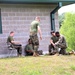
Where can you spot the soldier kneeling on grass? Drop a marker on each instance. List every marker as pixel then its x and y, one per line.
pixel 61 44
pixel 29 51
pixel 29 48
pixel 53 40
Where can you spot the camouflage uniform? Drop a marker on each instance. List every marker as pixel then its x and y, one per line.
pixel 52 49
pixel 61 43
pixel 28 49
pixel 33 34
pixel 16 46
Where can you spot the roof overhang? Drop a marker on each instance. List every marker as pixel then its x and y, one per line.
pixel 64 2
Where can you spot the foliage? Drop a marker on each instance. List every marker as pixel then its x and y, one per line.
pixel 68 30
pixel 61 18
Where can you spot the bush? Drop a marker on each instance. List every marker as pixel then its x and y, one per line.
pixel 68 30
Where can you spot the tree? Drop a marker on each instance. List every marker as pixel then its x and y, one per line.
pixel 68 30
pixel 61 18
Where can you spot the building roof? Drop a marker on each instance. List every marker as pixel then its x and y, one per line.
pixel 35 1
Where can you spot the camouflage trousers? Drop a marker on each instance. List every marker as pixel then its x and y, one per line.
pixel 18 47
pixel 51 49
pixel 35 41
pixel 61 48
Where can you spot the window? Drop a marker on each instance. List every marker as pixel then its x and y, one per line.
pixel 0 23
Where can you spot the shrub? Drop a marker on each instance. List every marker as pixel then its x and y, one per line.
pixel 68 30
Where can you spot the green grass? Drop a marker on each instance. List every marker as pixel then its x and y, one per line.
pixel 43 65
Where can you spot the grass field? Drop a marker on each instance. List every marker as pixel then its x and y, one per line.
pixel 42 65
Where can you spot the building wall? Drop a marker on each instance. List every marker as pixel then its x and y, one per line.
pixel 18 17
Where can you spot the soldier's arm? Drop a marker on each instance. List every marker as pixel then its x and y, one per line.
pixel 51 41
pixel 40 33
pixel 15 42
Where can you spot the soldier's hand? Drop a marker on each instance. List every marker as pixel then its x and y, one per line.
pixel 40 37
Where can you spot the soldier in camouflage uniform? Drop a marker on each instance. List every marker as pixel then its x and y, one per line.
pixel 34 29
pixel 29 48
pixel 52 49
pixel 61 44
pixel 14 44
